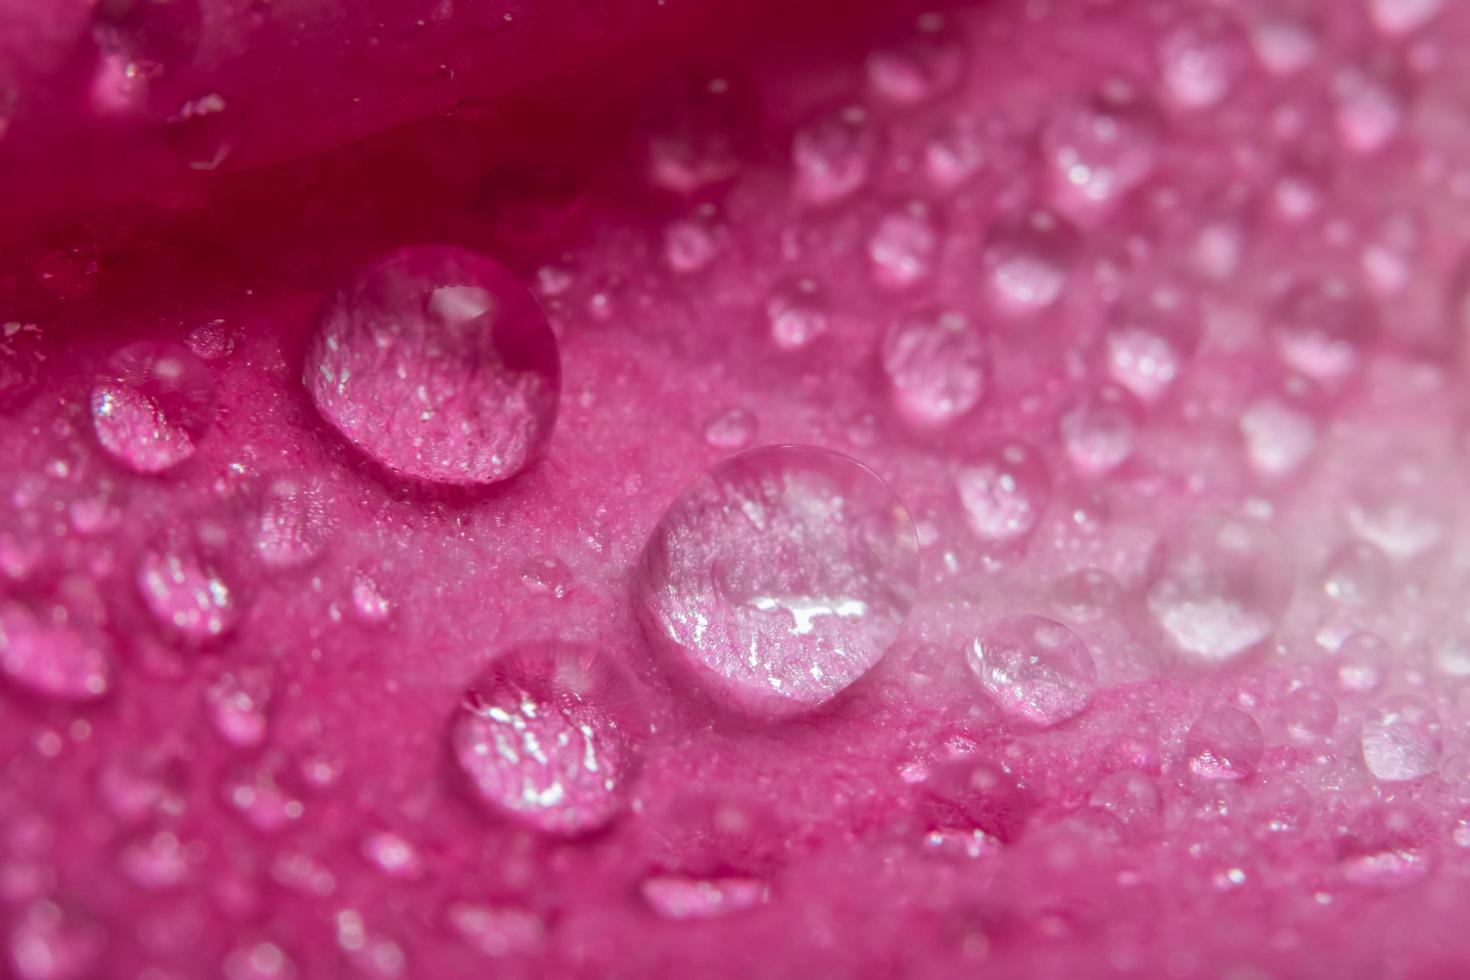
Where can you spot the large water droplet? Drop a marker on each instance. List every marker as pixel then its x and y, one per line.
pixel 833 155
pixel 549 735
pixel 1099 149
pixel 438 364
pixel 1026 263
pixel 1322 329
pixel 922 63
pixel 1401 740
pixel 1036 670
pixel 781 576
pixel 1004 490
pixel 1225 743
pixel 153 405
pixel 937 365
pixel 1280 433
pixel 44 651
pixel 1218 585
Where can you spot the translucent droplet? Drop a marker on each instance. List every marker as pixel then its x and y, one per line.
pixel 1450 652
pixel 548 576
pixel 1099 431
pixel 1394 17
pixel 43 651
pixel 904 246
pixel 212 341
pixel 682 898
pixel 1283 44
pixel 1280 435
pixel 438 364
pixel 237 702
pixel 920 64
pixel 698 136
pixel 1226 744
pixel 1357 574
pixel 156 861
pixel 937 365
pixel 1218 586
pixel 693 242
pixel 549 735
pixel 1308 713
pixel 797 312
pixel 1400 507
pixel 1363 661
pixel 368 599
pixel 1099 149
pixel 392 854
pixel 833 155
pixel 185 592
pixel 261 801
pixel 1027 263
pixel 1199 61
pixel 973 798
pixel 1132 798
pixel 1401 740
pixel 1149 342
pixel 1322 329
pixel 1369 112
pixel 153 406
pixel 1085 595
pixel 497 931
pixel 1004 490
pixel 1035 670
pixel 781 576
pixel 731 430
pixel 51 942
pixel 292 527
pixel 955 152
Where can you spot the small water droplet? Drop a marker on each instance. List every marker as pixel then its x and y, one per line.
pixel 1200 59
pixel 153 406
pixel 1224 744
pixel 1284 45
pixel 184 591
pixel 833 155
pixel 213 340
pixel 937 365
pixel 1357 574
pixel 392 854
pixel 922 63
pixel 368 599
pixel 44 651
pixel 1369 111
pixel 549 735
pixel 258 961
pixel 1308 713
pixel 797 312
pixel 292 526
pixel 237 702
pixel 21 358
pixel 1099 431
pixel 1036 670
pixel 1395 17
pixel 692 243
pixel 682 898
pixel 780 576
pixel 697 137
pixel 1363 661
pixel 1099 149
pixel 1027 263
pixel 731 430
pixel 1399 506
pixel 204 133
pixel 1401 739
pixel 156 861
pixel 1150 340
pixel 1004 489
pixel 904 246
pixel 1086 595
pixel 1322 329
pixel 51 942
pixel 439 365
pixel 1280 432
pixel 1218 586
pixel 497 931
pixel 548 576
pixel 1132 798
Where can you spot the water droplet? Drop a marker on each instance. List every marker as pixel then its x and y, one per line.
pixel 549 735
pixel 904 246
pixel 937 364
pixel 921 64
pixel 21 358
pixel 184 591
pixel 681 898
pixel 1199 60
pixel 1400 507
pixel 1225 744
pixel 1218 585
pixel 292 527
pixel 1369 112
pixel 1026 264
pixel 1085 595
pixel 730 430
pixel 833 155
pixel 548 576
pixel 1150 340
pixel 1357 574
pixel 955 152
pixel 260 799
pixel 156 861
pixel 1132 798
pixel 497 931
pixel 1308 713
pixel 1004 490
pixel 50 942
pixel 155 403
pixel 1280 434
pixel 438 364
pixel 258 961
pixel 368 599
pixel 797 313
pixel 1099 431
pixel 698 136
pixel 973 798
pixel 212 341
pixel 1099 149
pixel 1363 661
pixel 1036 670
pixel 693 242
pixel 1283 44
pixel 237 702
pixel 1321 329
pixel 1450 652
pixel 1401 740
pixel 1394 17
pixel 45 652
pixel 392 854
pixel 781 576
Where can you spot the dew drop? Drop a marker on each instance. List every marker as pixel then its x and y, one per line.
pixel 973 805
pixel 1280 435
pixel 1099 431
pixel 1401 739
pixel 955 152
pixel 156 861
pixel 1363 661
pixel 1369 112
pixel 1199 61
pixel 1086 595
pixel 547 576
pixel 392 854
pixel 497 931
pixel 1308 713
pixel 237 702
pixel 1284 45
pixel 1098 149
pixel 693 242
pixel 833 155
pixel 1224 744
pixel 368 599
pixel 731 430
pixel 438 364
pixel 797 312
pixel 937 365
pixel 153 406
pixel 1149 342
pixel 549 735
pixel 1036 670
pixel 258 961
pixel 1322 329
pixel 1026 264
pixel 1400 507
pixel 212 341
pixel 921 64
pixel 780 576
pixel 1395 17
pixel 1357 574
pixel 1004 489
pixel 1132 798
pixel 50 942
pixel 204 133
pixel 185 592
pixel 43 651
pixel 904 246
pixel 683 899
pixel 1218 586
pixel 291 528
pixel 698 136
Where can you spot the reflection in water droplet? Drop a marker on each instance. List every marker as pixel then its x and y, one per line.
pixel 937 365
pixel 1401 740
pixel 1086 594
pixel 780 576
pixel 154 404
pixel 1004 490
pixel 1308 713
pixel 1150 340
pixel 548 734
pixel 833 155
pixel 1218 585
pixel 548 576
pixel 1224 744
pixel 438 364
pixel 1036 670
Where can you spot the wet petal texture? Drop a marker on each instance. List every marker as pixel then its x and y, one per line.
pixel 780 576
pixel 438 364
